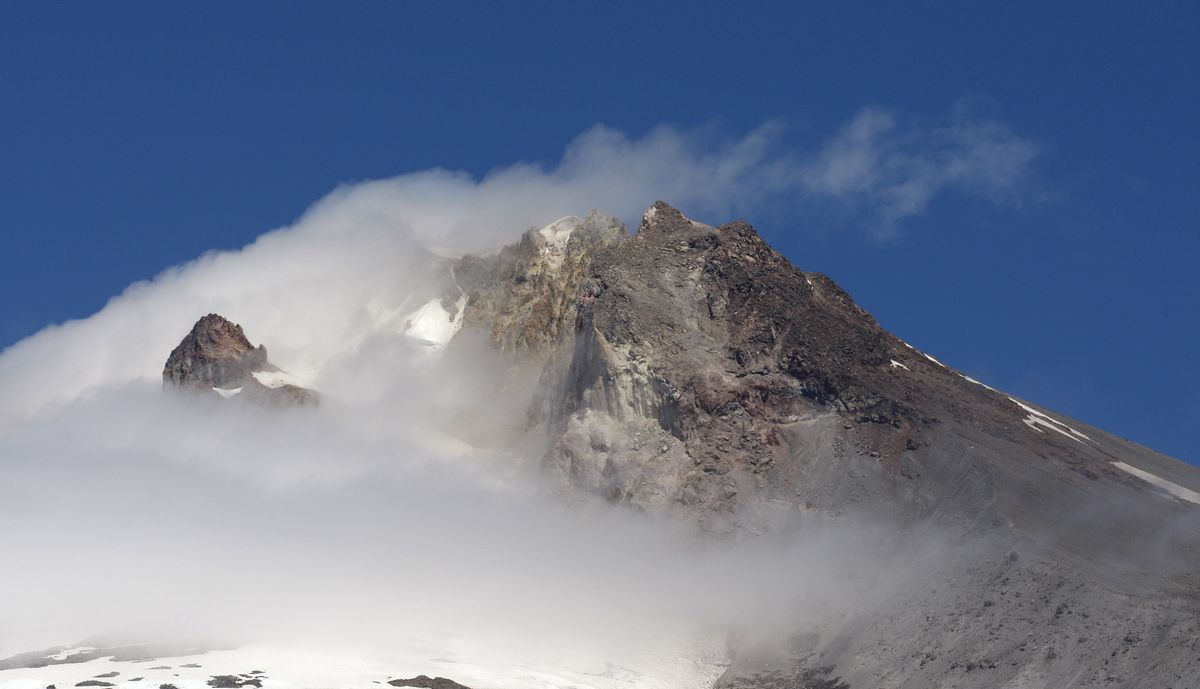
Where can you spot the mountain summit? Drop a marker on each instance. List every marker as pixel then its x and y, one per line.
pixel 216 357
pixel 693 372
pixel 745 379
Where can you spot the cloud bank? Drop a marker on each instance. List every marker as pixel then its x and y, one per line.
pixel 130 511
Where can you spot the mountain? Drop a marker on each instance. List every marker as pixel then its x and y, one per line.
pixel 694 373
pixel 691 374
pixel 215 358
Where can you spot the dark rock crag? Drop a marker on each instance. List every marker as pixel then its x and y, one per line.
pixel 426 682
pixel 216 358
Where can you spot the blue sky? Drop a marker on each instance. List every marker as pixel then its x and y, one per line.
pixel 135 136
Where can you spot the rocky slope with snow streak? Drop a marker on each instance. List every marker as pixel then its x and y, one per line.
pixel 694 373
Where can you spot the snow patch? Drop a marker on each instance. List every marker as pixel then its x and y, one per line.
pixel 433 324
pixel 68 652
pixel 897 364
pixel 969 379
pixel 1034 421
pixel 1173 488
pixel 276 379
pixel 227 393
pixel 1037 418
pixel 927 356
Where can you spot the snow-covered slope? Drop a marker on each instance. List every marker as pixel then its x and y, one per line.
pixel 280 667
pixel 434 323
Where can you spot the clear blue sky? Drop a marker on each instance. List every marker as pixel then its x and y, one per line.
pixel 134 136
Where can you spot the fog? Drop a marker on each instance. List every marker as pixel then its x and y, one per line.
pixel 135 515
pixel 407 502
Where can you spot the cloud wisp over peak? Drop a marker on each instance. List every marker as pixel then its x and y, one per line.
pixel 322 286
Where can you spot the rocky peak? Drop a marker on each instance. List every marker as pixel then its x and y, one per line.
pixel 215 354
pixel 216 357
pixel 693 369
pixel 663 219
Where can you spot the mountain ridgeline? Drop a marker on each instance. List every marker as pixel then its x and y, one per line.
pixel 693 373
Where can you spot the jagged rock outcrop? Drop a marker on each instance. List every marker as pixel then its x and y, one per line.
pixel 216 358
pixel 427 682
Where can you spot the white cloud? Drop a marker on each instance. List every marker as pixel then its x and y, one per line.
pixel 892 172
pixel 117 498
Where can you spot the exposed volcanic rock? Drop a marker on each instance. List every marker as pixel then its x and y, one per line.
pixel 719 342
pixel 818 678
pixel 720 356
pixel 234 682
pixel 693 371
pixel 426 682
pixel 216 358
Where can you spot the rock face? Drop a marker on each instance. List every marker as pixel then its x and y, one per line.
pixel 693 372
pixel 426 682
pixel 216 358
pixel 526 295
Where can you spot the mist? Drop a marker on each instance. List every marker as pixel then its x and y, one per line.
pixel 408 502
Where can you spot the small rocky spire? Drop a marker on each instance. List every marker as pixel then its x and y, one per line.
pixel 661 217
pixel 216 356
pixel 216 353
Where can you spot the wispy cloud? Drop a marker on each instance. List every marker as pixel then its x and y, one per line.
pixel 888 172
